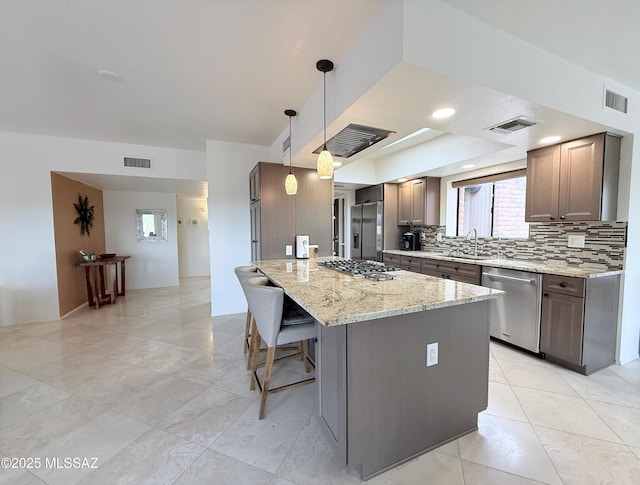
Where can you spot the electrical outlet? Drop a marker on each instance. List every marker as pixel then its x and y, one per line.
pixel 288 250
pixel 575 241
pixel 432 354
pixel 439 237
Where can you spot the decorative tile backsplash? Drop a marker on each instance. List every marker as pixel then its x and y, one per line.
pixel 605 243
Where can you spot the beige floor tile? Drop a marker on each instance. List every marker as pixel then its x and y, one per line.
pixel 66 332
pixel 12 381
pixel 635 450
pixel 158 398
pixel 311 460
pixel 43 424
pixel 136 353
pixel 228 344
pixel 208 368
pixel 206 416
pixel 475 474
pixel 604 386
pixel 432 468
pixel 265 443
pixel 630 373
pixel 212 467
pixel 623 420
pixel 96 441
pixel 155 457
pixel 509 446
pixel 452 449
pixel 503 403
pixel 28 400
pixel 495 372
pixel 566 413
pixel 237 381
pixel 17 475
pixel 581 460
pixel 56 372
pixel 171 360
pixel 541 377
pixel 282 481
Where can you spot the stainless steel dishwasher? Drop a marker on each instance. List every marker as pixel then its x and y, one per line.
pixel 516 317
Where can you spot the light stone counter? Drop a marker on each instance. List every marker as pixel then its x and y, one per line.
pixel 335 298
pixel 548 267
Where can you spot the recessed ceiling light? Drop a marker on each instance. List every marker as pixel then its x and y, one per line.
pixel 410 135
pixel 550 139
pixel 109 75
pixel 337 164
pixel 403 179
pixel 443 113
pixel 469 165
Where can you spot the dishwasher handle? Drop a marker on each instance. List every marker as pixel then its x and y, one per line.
pixel 493 276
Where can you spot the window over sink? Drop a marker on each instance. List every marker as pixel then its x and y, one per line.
pixel 494 205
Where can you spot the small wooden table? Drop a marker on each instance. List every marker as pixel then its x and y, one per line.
pixel 94 272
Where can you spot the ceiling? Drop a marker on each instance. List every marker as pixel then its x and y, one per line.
pixel 192 70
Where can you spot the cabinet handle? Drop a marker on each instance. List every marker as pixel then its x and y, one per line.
pixel 561 285
pixel 562 217
pixel 545 294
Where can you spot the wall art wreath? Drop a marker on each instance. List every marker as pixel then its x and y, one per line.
pixel 85 215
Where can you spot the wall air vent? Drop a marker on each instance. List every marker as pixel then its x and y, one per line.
pixel 137 162
pixel 353 139
pixel 615 101
pixel 512 125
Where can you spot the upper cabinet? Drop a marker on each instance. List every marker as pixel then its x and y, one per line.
pixel 419 202
pixel 254 184
pixel 574 181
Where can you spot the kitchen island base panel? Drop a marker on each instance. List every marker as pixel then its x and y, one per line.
pixel 380 405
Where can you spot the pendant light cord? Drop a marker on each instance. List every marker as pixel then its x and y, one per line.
pixel 324 104
pixel 290 145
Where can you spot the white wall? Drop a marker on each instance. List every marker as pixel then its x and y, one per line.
pixel 228 167
pixel 152 264
pixel 28 284
pixel 193 241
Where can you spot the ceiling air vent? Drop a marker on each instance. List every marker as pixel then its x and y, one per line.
pixel 615 101
pixel 137 162
pixel 353 139
pixel 512 125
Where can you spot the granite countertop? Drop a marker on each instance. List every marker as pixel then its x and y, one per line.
pixel 335 298
pixel 548 267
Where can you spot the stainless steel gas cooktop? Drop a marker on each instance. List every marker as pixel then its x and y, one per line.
pixel 362 269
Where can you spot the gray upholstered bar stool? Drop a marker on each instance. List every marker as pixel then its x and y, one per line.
pixel 243 272
pixel 266 304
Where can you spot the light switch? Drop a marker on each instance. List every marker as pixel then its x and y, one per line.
pixel 288 250
pixel 575 241
pixel 432 354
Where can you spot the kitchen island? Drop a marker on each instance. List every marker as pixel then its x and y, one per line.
pixel 379 402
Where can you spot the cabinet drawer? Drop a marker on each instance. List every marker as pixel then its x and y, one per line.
pixel 391 259
pixel 430 272
pixel 461 269
pixel 411 262
pixel 563 284
pixel 431 265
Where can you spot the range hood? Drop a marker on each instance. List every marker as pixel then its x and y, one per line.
pixel 353 139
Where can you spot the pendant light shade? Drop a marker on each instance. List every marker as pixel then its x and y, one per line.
pixel 290 183
pixel 325 160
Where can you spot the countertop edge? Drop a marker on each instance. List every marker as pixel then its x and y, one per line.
pixel 515 264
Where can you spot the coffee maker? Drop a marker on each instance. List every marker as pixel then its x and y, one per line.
pixel 410 241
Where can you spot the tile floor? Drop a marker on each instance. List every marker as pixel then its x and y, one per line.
pixel 157 391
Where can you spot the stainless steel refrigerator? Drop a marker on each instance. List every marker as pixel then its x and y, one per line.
pixel 366 231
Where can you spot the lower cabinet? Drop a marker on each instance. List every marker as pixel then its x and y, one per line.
pixel 579 321
pixel 463 272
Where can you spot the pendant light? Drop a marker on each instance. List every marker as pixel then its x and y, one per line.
pixel 290 183
pixel 325 161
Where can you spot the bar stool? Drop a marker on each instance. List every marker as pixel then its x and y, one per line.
pixel 243 272
pixel 266 304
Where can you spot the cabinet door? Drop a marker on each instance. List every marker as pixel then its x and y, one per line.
pixel 543 179
pixel 561 328
pixel 581 165
pixel 254 184
pixel 418 201
pixel 404 204
pixel 255 231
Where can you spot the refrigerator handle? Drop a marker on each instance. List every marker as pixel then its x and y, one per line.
pixel 356 240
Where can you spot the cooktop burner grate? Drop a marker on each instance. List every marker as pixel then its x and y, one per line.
pixel 362 269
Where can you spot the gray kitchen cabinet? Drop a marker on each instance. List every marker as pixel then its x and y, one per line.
pixel 574 181
pixel 419 202
pixel 579 321
pixel 276 217
pixel 463 272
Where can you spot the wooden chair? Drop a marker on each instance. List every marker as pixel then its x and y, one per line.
pixel 243 272
pixel 266 304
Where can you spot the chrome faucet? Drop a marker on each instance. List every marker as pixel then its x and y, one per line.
pixel 475 239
